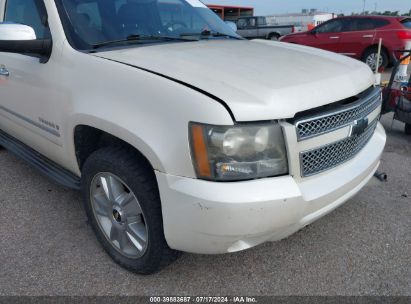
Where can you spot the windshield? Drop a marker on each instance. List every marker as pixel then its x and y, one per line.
pixel 88 23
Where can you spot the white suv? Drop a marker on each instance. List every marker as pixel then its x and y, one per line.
pixel 182 135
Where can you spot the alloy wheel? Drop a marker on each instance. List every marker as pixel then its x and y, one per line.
pixel 371 60
pixel 119 215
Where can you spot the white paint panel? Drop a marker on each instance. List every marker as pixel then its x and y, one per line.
pixel 276 82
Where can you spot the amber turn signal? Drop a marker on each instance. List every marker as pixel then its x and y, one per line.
pixel 199 150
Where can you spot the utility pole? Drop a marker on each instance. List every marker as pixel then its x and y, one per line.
pixel 363 7
pixel 375 7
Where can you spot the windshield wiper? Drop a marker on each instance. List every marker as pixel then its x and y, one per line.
pixel 207 34
pixel 139 38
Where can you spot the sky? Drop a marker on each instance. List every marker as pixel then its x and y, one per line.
pixel 266 7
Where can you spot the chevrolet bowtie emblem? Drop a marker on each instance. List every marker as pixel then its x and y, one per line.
pixel 359 126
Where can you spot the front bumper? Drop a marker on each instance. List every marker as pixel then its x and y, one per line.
pixel 209 217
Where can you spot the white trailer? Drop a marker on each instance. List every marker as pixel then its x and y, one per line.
pixel 304 21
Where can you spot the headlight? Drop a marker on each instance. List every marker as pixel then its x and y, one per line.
pixel 238 152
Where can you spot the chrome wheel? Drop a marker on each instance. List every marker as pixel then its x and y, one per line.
pixel 119 215
pixel 371 60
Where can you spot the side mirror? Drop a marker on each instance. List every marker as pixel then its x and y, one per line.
pixel 11 31
pixel 19 38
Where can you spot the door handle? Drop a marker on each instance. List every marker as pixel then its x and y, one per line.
pixel 334 37
pixel 4 71
pixel 368 36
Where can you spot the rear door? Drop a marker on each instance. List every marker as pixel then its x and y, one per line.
pixel 358 35
pixel 326 36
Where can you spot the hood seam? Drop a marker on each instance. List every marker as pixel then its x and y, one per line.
pixel 219 100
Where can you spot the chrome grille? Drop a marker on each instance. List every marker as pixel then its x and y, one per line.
pixel 314 126
pixel 331 155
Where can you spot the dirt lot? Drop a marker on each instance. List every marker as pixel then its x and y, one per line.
pixel 363 248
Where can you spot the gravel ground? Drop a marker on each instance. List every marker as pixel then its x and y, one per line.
pixel 362 248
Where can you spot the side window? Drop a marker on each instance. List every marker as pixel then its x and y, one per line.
pixel 380 23
pixel 365 24
pixel 333 26
pixel 261 21
pixel 28 12
pixel 241 23
pixel 406 23
pixel 352 25
pixel 251 22
pixel 246 23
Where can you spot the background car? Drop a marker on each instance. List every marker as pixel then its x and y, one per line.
pixel 358 37
pixel 257 27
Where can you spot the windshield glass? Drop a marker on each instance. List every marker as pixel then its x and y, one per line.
pixel 92 22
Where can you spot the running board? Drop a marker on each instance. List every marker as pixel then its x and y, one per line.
pixel 39 162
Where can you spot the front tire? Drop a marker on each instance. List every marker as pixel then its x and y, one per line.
pixel 370 58
pixel 407 129
pixel 123 206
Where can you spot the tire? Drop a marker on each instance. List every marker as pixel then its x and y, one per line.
pixel 122 173
pixel 273 37
pixel 370 55
pixel 407 129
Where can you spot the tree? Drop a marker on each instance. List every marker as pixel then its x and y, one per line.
pixel 386 13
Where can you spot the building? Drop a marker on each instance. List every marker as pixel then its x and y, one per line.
pixel 306 19
pixel 231 13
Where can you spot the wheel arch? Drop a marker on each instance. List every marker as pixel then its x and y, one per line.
pixel 375 46
pixel 89 138
pixel 271 34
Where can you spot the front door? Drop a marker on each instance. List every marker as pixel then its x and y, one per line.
pixel 247 28
pixel 28 89
pixel 358 35
pixel 326 36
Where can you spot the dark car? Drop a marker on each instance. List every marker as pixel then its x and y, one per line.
pixel 358 37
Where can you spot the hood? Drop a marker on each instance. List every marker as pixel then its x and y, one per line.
pixel 259 79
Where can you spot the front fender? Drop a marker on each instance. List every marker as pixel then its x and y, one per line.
pixel 118 131
pixel 150 112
